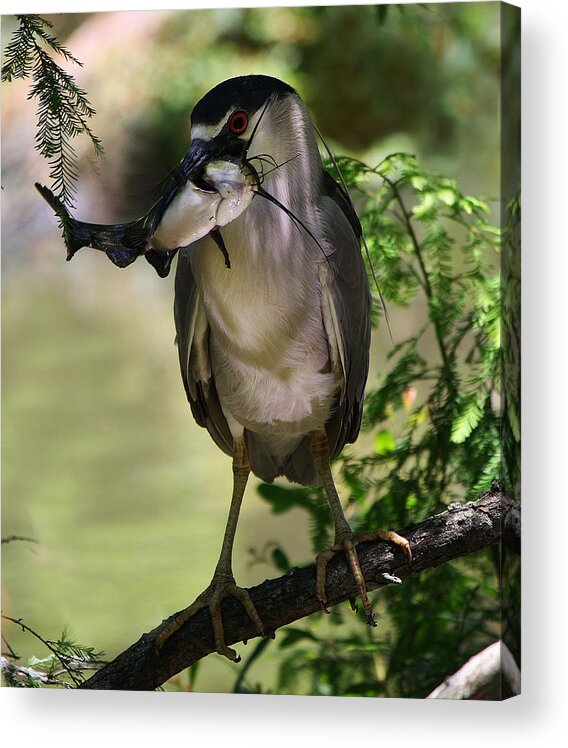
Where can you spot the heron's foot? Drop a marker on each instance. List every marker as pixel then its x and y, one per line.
pixel 347 542
pixel 220 588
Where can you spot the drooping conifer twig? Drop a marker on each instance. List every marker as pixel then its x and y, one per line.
pixel 62 106
pixel 458 531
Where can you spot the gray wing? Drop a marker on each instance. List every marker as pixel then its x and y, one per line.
pixel 349 298
pixel 192 335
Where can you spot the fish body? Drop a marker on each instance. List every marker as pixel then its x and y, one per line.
pixel 194 212
pixel 187 211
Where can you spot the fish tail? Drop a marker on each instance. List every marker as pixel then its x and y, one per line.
pixel 74 234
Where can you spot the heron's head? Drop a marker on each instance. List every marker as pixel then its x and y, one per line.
pixel 255 122
pixel 232 116
pixel 245 132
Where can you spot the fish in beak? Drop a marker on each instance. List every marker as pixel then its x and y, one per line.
pixel 207 191
pixel 216 195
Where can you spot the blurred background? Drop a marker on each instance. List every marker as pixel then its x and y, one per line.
pixel 103 466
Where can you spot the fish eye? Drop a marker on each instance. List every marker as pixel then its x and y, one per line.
pixel 238 122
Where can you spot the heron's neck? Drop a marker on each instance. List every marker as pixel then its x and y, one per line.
pixel 288 137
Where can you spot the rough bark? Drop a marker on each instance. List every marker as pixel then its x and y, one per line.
pixel 460 530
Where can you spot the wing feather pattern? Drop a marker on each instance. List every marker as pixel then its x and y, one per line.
pixel 346 294
pixel 192 334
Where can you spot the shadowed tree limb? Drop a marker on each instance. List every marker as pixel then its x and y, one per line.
pixel 490 674
pixel 460 530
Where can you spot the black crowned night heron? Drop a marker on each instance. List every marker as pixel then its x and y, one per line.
pixel 273 331
pixel 274 352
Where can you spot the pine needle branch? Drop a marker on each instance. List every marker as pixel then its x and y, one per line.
pixel 63 109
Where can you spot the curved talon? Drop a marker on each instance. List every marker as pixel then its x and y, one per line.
pixel 403 544
pixel 348 543
pixel 371 620
pixel 355 566
pixel 344 539
pixel 390 536
pixel 241 594
pixel 211 598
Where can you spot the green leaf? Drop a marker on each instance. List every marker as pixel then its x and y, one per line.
pixel 469 415
pixel 384 442
pixel 426 208
pixel 283 499
pixel 419 182
pixel 447 196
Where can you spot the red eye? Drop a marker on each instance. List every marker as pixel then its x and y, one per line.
pixel 238 122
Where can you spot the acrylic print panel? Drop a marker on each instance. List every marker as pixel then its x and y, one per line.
pixel 117 490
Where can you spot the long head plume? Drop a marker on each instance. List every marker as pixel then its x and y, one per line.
pixel 255 128
pixel 299 223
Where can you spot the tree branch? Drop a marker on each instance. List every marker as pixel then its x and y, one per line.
pixel 487 675
pixel 460 530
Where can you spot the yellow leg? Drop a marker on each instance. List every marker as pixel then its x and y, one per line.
pixel 344 539
pixel 223 582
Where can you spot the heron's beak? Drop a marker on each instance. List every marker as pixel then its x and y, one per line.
pixel 217 188
pixel 201 153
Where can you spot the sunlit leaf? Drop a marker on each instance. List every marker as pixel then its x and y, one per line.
pixel 384 442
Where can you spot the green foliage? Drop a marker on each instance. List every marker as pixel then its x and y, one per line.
pixel 64 666
pixel 311 500
pixel 414 79
pixel 435 419
pixel 62 107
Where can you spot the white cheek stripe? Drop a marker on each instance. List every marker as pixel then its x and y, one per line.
pixel 208 132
